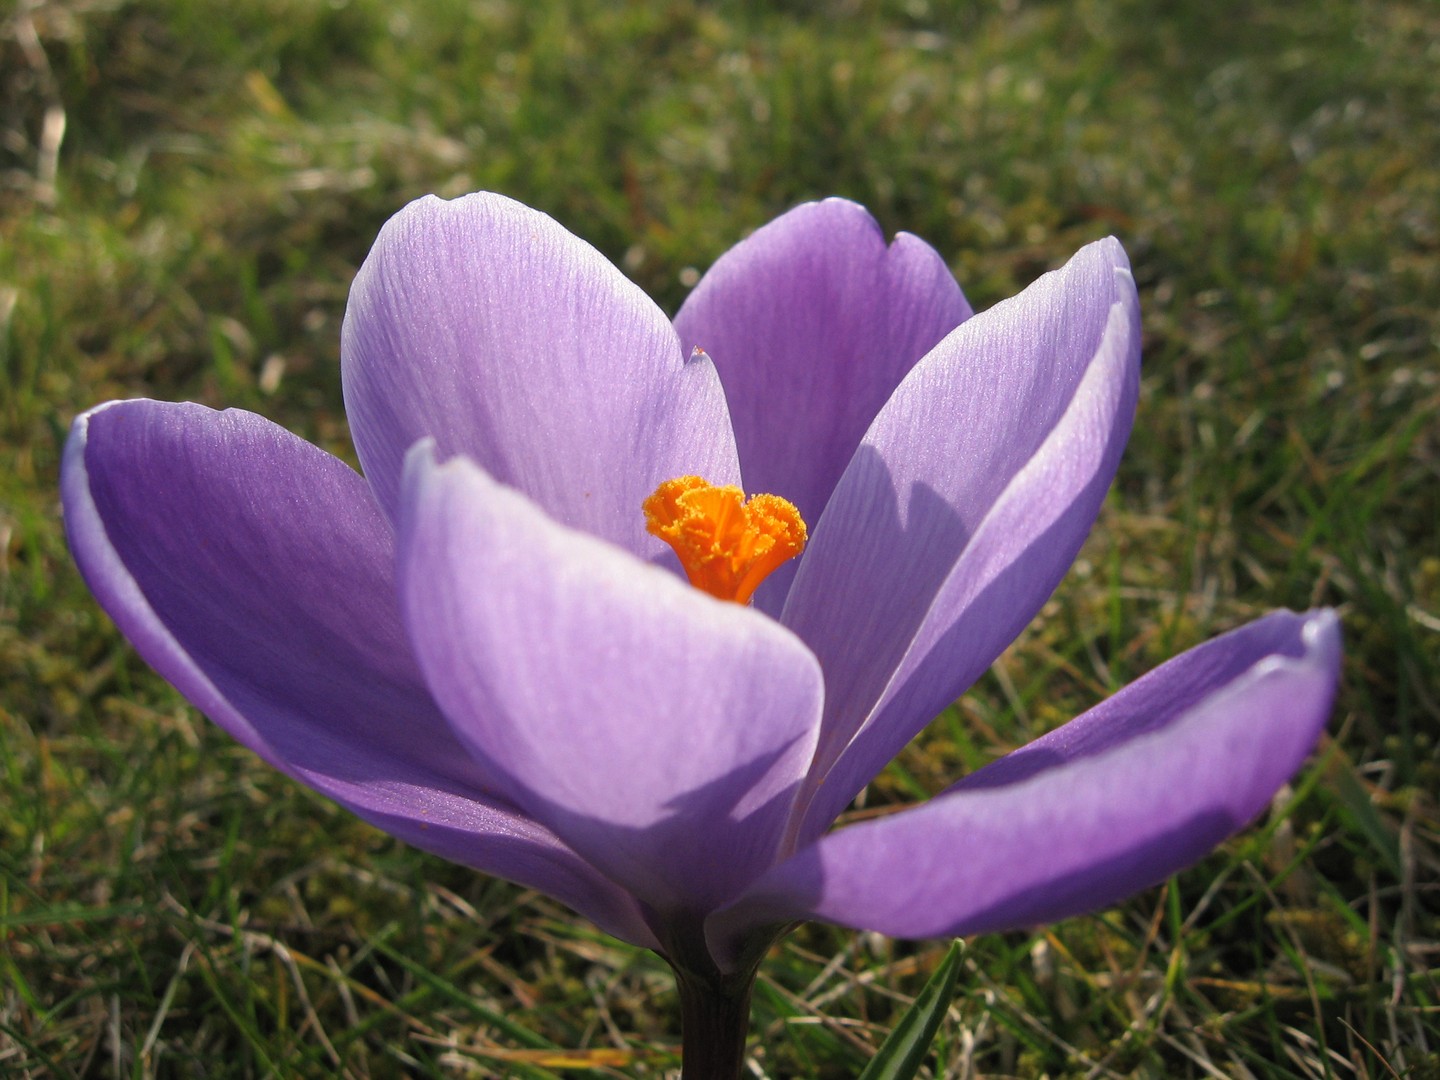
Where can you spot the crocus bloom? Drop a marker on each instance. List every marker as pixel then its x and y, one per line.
pixel 484 647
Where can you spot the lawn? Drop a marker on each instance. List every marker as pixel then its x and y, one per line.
pixel 186 190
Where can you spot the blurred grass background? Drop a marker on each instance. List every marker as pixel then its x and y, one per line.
pixel 186 188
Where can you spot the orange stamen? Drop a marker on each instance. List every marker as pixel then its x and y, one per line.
pixel 727 545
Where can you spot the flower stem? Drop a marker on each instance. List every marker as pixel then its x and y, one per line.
pixel 714 1018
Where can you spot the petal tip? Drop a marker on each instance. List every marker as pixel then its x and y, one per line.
pixel 1322 638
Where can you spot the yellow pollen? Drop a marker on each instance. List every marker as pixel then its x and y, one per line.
pixel 726 544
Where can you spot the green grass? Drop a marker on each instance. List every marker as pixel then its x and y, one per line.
pixel 171 907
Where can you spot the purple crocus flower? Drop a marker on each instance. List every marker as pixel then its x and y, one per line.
pixel 482 647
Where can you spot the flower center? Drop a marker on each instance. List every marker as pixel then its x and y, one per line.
pixel 726 544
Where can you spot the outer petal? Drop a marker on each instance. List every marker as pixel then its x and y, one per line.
pixel 1113 802
pixel 812 322
pixel 485 325
pixel 254 572
pixel 964 506
pixel 658 731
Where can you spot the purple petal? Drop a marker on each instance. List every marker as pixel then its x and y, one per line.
pixel 812 322
pixel 1113 802
pixel 964 506
pixel 485 325
pixel 255 572
pixel 660 732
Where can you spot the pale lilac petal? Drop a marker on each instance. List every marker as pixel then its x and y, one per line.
pixel 485 325
pixel 1113 802
pixel 966 503
pixel 812 322
pixel 255 573
pixel 661 733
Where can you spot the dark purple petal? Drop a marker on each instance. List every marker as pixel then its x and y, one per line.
pixel 660 732
pixel 812 322
pixel 255 572
pixel 964 506
pixel 485 325
pixel 1113 802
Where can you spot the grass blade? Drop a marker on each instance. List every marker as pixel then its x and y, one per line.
pixel 904 1051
